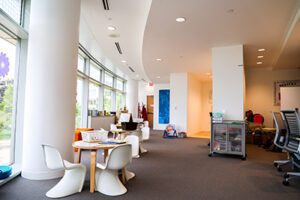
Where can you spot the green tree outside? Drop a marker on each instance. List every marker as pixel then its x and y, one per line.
pixel 6 110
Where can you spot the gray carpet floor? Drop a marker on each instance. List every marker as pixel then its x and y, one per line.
pixel 181 169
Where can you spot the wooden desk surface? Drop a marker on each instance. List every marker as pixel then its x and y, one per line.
pixel 92 146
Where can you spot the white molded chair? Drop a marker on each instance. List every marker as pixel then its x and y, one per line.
pixel 134 141
pixel 146 123
pixel 146 133
pixel 145 136
pixel 113 127
pixel 73 179
pixel 107 180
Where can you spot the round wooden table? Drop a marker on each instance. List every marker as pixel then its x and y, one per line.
pixel 119 132
pixel 93 148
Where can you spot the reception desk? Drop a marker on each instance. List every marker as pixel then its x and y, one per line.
pixel 101 122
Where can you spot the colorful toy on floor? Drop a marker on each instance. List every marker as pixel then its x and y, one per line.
pixel 170 132
pixel 5 171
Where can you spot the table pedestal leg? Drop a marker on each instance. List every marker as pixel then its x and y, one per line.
pixel 123 176
pixel 93 170
pixel 78 160
pixel 105 154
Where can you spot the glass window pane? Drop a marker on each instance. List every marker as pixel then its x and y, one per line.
pixel 7 74
pixel 12 8
pixel 120 102
pixel 107 100
pixel 120 84
pixel 95 72
pixel 80 63
pixel 108 79
pixel 79 102
pixel 94 100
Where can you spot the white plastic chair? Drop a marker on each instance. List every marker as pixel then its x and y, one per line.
pixel 135 145
pixel 134 141
pixel 146 123
pixel 73 179
pixel 146 133
pixel 107 180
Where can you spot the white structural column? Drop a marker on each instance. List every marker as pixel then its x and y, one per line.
pixel 132 97
pixel 50 83
pixel 228 81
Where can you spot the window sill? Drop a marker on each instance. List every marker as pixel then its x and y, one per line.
pixel 16 170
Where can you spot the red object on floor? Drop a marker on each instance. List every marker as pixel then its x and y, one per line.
pixel 77 135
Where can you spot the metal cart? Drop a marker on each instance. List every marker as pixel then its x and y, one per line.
pixel 228 137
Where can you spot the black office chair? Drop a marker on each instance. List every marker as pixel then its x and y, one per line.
pixel 280 139
pixel 292 144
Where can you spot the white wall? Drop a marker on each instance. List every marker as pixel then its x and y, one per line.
pixel 290 98
pixel 132 97
pixel 179 100
pixel 158 87
pixel 260 90
pixel 206 105
pixel 144 90
pixel 194 105
pixel 228 81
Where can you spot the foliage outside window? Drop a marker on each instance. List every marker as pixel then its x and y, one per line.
pixel 94 98
pixel 79 102
pixel 107 100
pixel 7 74
pixel 120 103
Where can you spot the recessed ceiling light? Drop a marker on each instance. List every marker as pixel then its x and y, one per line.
pixel 124 61
pixel 180 19
pixel 261 49
pixel 111 28
pixel 260 56
pixel 259 63
pixel 158 77
pixel 158 59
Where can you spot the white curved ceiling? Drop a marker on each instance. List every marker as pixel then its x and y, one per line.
pixel 129 17
pixel 147 30
pixel 186 47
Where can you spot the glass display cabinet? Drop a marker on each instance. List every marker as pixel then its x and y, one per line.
pixel 228 137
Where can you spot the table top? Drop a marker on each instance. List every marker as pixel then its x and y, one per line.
pixel 92 146
pixel 118 130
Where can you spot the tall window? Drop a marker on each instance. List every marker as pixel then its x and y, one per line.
pixel 95 72
pixel 79 102
pixel 120 101
pixel 12 8
pixel 94 98
pixel 108 79
pixel 120 84
pixel 80 63
pixel 7 101
pixel 107 100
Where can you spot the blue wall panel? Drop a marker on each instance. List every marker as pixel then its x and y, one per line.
pixel 164 107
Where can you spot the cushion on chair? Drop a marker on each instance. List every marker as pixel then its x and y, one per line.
pixel 5 171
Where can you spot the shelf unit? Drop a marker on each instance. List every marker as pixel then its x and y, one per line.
pixel 228 137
